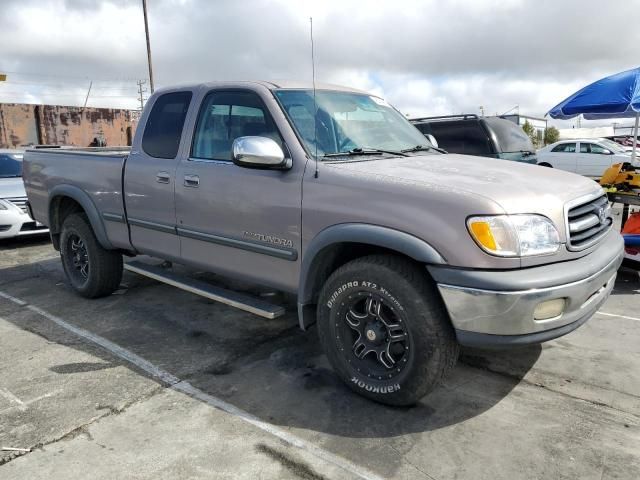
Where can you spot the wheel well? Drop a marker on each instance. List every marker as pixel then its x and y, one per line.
pixel 329 259
pixel 59 209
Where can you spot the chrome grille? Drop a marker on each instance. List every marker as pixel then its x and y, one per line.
pixel 588 222
pixel 20 202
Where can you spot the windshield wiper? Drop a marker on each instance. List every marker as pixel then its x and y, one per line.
pixel 365 151
pixel 423 148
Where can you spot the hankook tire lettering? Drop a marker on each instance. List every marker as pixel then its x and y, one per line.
pixel 375 388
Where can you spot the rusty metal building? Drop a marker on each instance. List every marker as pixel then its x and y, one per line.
pixel 25 124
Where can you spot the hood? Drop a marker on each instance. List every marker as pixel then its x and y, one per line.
pixel 12 187
pixel 513 185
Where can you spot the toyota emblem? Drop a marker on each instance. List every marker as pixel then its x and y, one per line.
pixel 602 214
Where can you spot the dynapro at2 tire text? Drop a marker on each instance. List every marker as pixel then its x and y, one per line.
pixel 384 328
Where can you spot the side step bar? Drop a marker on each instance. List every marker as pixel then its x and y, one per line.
pixel 241 301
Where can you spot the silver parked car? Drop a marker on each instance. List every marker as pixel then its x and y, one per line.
pixel 14 218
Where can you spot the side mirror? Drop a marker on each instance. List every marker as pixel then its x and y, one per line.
pixel 431 139
pixel 259 152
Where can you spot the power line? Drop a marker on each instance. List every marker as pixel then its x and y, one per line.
pixel 64 85
pixel 55 75
pixel 79 94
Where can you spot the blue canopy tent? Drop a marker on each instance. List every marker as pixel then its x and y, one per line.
pixel 616 96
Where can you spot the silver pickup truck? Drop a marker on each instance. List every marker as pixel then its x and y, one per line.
pixel 400 253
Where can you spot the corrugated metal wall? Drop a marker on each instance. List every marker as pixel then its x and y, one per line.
pixel 22 124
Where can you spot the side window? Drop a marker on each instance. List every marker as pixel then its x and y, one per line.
pixel 163 130
pixel 595 148
pixel 461 137
pixel 584 147
pixel 225 116
pixel 424 128
pixel 448 135
pixel 565 148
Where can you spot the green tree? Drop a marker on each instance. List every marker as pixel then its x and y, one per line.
pixel 551 135
pixel 531 133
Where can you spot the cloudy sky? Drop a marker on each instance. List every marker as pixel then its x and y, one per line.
pixel 426 57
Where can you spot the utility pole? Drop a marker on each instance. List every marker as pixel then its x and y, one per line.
pixel 87 97
pixel 146 31
pixel 141 92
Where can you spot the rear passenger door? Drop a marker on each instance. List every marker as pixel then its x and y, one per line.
pixel 149 177
pixel 237 221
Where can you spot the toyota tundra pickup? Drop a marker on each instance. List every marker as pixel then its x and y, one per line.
pixel 398 253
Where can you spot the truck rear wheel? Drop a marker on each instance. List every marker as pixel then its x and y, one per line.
pixel 384 329
pixel 91 270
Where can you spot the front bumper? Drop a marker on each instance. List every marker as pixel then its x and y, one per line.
pixel 496 308
pixel 15 223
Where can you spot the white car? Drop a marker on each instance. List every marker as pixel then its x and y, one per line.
pixel 588 157
pixel 14 219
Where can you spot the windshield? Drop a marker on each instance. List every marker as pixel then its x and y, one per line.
pixel 346 121
pixel 613 146
pixel 10 165
pixel 511 137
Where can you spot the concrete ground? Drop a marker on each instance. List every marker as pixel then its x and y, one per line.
pixel 153 382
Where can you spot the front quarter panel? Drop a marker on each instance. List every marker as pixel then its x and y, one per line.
pixel 435 214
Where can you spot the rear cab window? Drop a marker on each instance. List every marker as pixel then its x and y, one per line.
pixel 163 130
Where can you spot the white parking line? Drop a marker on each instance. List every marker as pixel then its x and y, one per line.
pixel 185 387
pixel 619 316
pixel 13 299
pixel 12 398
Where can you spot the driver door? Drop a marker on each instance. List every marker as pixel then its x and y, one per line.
pixel 237 221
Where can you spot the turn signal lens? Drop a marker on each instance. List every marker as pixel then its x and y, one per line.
pixel 481 231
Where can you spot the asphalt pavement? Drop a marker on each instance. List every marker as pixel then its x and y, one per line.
pixel 154 382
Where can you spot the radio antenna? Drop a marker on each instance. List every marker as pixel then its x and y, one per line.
pixel 315 104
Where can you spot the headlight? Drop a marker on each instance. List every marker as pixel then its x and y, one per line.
pixel 514 235
pixel 3 206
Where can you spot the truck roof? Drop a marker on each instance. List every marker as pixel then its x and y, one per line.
pixel 271 85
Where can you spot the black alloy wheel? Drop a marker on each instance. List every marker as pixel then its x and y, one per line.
pixel 372 336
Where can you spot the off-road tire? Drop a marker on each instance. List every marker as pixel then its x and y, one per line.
pixel 405 292
pixel 104 267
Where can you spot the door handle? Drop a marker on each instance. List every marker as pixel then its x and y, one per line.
pixel 191 181
pixel 163 177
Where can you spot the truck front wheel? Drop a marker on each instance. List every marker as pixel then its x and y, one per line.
pixel 91 270
pixel 384 329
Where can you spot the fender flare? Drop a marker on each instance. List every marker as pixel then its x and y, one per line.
pixel 376 235
pixel 80 196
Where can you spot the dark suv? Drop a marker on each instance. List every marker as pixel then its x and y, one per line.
pixel 484 136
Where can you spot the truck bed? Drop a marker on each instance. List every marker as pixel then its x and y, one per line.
pixel 95 173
